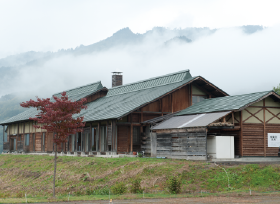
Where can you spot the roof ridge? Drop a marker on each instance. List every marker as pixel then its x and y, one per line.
pixel 187 70
pixel 238 95
pixel 78 87
pixel 149 87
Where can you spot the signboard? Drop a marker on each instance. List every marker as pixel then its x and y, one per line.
pixel 273 139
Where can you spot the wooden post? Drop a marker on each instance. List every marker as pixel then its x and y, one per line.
pixel 191 93
pixel 76 142
pixel 17 138
pixel 3 135
pixel 241 134
pixel 82 143
pixel 23 132
pixel 114 135
pixel 171 103
pixel 131 137
pixel 99 136
pixel 112 139
pixel 106 141
pixel 141 119
pixel 160 108
pixel 90 138
pixel 232 115
pixel 224 119
pixel 264 132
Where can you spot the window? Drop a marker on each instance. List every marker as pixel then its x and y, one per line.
pixel 136 135
pixel 197 99
pixel 26 139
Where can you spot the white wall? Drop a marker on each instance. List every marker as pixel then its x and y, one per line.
pixel 220 147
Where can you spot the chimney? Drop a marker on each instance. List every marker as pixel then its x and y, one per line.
pixel 117 79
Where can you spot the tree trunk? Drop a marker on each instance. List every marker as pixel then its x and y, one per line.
pixel 54 172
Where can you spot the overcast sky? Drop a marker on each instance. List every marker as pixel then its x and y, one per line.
pixel 236 62
pixel 49 25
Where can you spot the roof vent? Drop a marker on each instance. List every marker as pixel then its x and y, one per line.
pixel 117 78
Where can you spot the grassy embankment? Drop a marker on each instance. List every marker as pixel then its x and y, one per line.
pixel 91 178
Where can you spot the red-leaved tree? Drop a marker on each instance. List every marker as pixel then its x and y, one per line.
pixel 57 117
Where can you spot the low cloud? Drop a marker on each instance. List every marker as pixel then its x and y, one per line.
pixel 234 61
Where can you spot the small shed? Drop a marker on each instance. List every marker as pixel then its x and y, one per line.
pixel 185 136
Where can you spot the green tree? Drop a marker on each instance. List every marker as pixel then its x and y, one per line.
pixel 277 89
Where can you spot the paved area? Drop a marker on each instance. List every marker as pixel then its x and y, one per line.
pixel 228 199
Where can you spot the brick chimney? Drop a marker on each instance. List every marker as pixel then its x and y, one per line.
pixel 117 79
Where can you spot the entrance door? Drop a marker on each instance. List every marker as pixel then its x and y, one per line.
pixel 123 138
pixel 13 144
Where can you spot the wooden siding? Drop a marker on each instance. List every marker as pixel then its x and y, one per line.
pixel 123 138
pixel 180 99
pixel 38 142
pixel 49 143
pixel 258 120
pixel 96 96
pixel 183 144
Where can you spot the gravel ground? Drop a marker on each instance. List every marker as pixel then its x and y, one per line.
pixel 229 199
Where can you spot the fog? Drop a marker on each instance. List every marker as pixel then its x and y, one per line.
pixel 234 61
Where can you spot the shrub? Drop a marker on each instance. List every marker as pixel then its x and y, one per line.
pixel 98 191
pixel 174 185
pixel 140 155
pixel 119 188
pixel 136 186
pixel 20 194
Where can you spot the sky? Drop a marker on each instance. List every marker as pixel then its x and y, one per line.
pixel 236 62
pixel 49 25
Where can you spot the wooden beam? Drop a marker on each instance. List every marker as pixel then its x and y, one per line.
pixel 142 119
pixel 253 115
pixel 264 132
pixel 107 124
pixel 191 94
pixel 232 115
pixel 112 139
pixel 17 138
pixel 3 134
pixel 224 119
pixel 160 108
pixel 241 134
pixel 131 138
pixel 99 136
pixel 23 132
pixel 90 138
pixel 171 103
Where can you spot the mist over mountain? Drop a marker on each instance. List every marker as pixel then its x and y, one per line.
pixel 121 38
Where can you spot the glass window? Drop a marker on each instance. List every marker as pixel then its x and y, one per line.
pixel 197 99
pixel 136 135
pixel 26 139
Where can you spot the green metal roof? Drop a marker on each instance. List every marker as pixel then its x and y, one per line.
pixel 120 100
pixel 73 94
pixel 124 99
pixel 225 103
pixel 82 91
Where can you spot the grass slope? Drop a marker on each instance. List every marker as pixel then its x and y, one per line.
pixel 20 174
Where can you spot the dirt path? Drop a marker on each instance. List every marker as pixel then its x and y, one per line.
pixel 243 199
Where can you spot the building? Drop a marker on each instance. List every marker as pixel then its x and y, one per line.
pixel 114 117
pixel 222 127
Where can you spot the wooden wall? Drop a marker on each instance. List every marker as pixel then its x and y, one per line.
pixel 258 120
pixel 181 145
pixel 123 133
pixel 96 96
